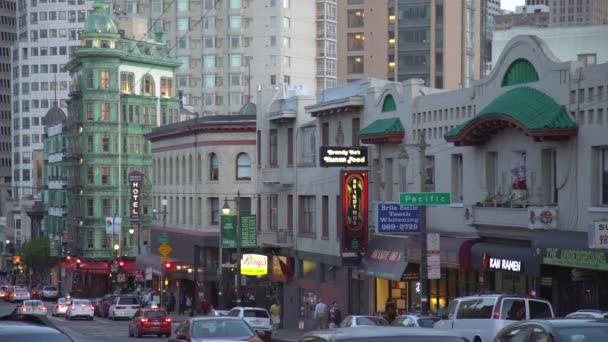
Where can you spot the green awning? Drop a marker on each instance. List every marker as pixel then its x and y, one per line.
pixel 382 131
pixel 532 111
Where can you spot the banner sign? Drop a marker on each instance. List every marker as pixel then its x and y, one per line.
pixel 113 225
pixel 394 218
pixel 248 231
pixel 354 211
pixel 136 179
pixel 227 232
pixel 587 259
pixel 598 235
pixel 254 264
pixel 341 156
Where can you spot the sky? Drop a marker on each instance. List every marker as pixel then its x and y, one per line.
pixel 510 4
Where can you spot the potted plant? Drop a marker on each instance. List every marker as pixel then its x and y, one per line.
pixel 519 191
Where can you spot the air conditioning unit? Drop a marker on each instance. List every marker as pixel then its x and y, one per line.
pixel 544 217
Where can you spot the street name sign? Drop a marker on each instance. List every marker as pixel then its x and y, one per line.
pixel 163 239
pixel 424 198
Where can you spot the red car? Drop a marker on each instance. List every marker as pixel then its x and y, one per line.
pixel 150 321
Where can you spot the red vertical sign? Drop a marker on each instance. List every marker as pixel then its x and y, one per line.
pixel 354 211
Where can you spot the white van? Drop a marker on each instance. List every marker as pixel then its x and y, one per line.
pixel 480 317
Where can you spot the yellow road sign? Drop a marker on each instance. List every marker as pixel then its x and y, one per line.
pixel 164 249
pixel 164 259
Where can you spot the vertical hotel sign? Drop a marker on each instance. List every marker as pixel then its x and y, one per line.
pixel 354 211
pixel 136 180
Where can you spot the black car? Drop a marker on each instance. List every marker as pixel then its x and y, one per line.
pixel 555 330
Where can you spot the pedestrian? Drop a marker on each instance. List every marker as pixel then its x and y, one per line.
pixel 182 303
pixel 275 314
pixel 206 307
pixel 189 304
pixel 335 315
pixel 320 314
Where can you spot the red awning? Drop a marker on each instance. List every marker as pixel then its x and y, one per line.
pixel 98 267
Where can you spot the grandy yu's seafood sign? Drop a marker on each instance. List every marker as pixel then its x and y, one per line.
pixel 354 211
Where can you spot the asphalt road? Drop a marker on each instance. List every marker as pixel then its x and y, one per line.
pixel 99 329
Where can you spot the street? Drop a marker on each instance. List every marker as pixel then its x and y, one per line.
pixel 99 329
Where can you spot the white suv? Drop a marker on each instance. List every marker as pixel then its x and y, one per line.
pixel 258 319
pixel 479 318
pixel 123 307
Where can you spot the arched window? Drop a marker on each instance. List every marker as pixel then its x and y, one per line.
pixel 214 167
pixel 243 166
pixel 389 104
pixel 147 86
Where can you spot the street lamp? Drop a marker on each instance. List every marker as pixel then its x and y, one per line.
pixel 403 160
pixel 116 249
pixel 226 211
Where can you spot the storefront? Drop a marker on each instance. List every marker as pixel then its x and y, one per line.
pixel 393 262
pixel 575 275
pixel 508 267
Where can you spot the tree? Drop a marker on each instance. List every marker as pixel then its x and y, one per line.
pixel 36 254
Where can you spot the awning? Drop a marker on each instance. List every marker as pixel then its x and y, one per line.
pixel 501 257
pixel 524 108
pixel 382 131
pixel 96 267
pixel 385 258
pixel 569 249
pixel 455 251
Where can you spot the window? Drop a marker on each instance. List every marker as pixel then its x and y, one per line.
pixel 307 214
pixel 273 22
pixel 235 21
pixel 603 159
pixel 166 87
pixel 235 3
pixel 235 61
pixel 89 143
pixel 90 175
pixel 325 217
pixel 457 178
pixel 243 166
pixel 209 62
pixel 235 41
pixel 586 59
pixel 127 81
pixel 539 310
pixel 106 207
pixel 105 111
pixel 105 80
pixel 88 76
pixel 273 154
pixel 513 309
pixel 289 146
pixel 476 308
pixel 105 175
pixel 147 86
pixel 430 174
pixel 105 144
pixel 182 5
pixel 273 212
pixel 308 144
pixel 355 18
pixel 214 204
pixel 90 116
pixel 182 24
pixel 90 207
pixel 355 64
pixel 286 22
pixel 157 6
pixel 214 167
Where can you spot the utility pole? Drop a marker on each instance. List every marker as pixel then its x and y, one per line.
pixel 162 267
pixel 421 146
pixel 239 255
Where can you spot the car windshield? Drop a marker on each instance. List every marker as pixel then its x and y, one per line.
pixel 216 328
pixel 128 301
pixel 426 322
pixel 583 334
pixel 255 313
pixel 33 303
pixel 371 321
pixel 406 339
pixel 155 314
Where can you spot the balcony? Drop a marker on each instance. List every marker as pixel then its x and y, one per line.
pixel 277 176
pixel 277 238
pixel 55 157
pixel 281 116
pixel 57 211
pixel 57 184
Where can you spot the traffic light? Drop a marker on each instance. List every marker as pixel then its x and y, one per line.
pixel 168 265
pixel 121 263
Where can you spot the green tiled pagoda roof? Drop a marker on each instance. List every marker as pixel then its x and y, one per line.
pixel 383 126
pixel 529 107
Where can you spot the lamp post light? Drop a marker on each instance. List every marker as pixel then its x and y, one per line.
pixel 237 229
pixel 403 160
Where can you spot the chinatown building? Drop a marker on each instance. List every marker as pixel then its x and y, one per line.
pixel 521 156
pixel 120 90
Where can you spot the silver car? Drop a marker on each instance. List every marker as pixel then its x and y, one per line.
pixel 49 292
pixel 415 321
pixel 381 334
pixel 586 314
pixel 19 294
pixel 61 307
pixel 32 307
pixel 362 320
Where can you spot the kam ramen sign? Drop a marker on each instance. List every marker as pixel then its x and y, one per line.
pixel 254 264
